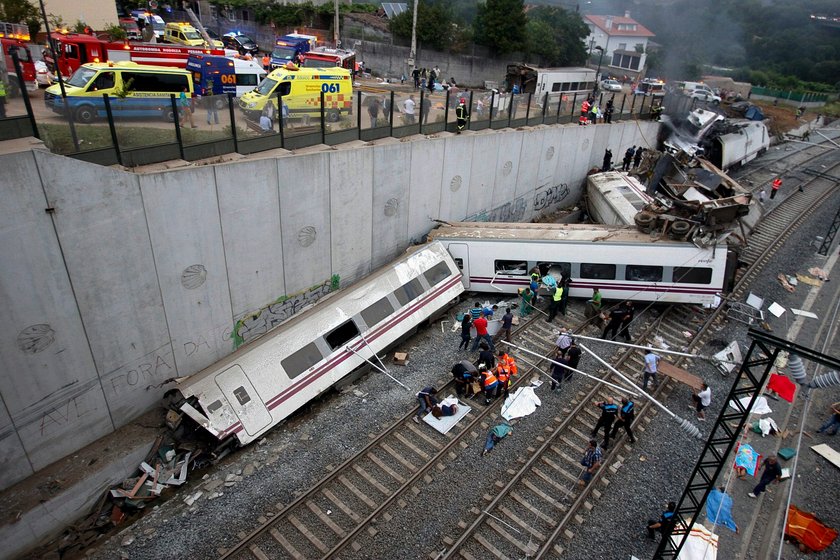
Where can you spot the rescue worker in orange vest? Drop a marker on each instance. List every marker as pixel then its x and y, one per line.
pixel 490 383
pixel 505 368
pixel 777 184
pixel 266 62
pixel 584 113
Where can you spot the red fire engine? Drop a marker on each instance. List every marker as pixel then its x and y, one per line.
pixel 75 49
pixel 14 36
pixel 323 57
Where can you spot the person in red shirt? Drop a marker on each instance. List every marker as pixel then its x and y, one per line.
pixel 777 183
pixel 480 325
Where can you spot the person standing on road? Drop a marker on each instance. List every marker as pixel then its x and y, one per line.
pixel 628 158
pixel 507 324
pixel 480 325
pixel 505 368
pixel 607 160
pixel 616 315
pixel 408 109
pixel 777 184
pixel 462 115
pixel 554 305
pixel 185 102
pixel 637 159
pixel 665 524
pixel 832 422
pixel 608 112
pixel 525 306
pixel 772 473
pixel 702 399
pixel 210 101
pixel 373 111
pixel 425 108
pixel 415 75
pixel 266 62
pixel 608 412
pixel 564 298
pixel 591 461
pixel 625 419
pixel 466 324
pixel 629 312
pixel 651 367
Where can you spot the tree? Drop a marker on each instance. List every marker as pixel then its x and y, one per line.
pixel 434 24
pixel 21 11
pixel 501 25
pixel 567 34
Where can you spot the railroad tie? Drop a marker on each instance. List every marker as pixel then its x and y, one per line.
pixel 341 505
pixel 370 480
pixel 540 493
pixel 490 548
pixel 522 524
pixel 566 474
pixel 425 456
pixel 525 503
pixel 549 480
pixel 325 519
pixel 286 544
pixel 381 464
pixel 510 537
pixel 422 435
pixel 310 536
pixel 256 551
pixel 358 493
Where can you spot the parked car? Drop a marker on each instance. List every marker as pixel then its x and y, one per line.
pixel 43 76
pixel 240 43
pixel 610 85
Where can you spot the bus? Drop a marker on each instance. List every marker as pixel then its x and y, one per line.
pixel 555 82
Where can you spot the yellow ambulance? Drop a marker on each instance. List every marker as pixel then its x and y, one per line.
pixel 301 90
pixel 182 33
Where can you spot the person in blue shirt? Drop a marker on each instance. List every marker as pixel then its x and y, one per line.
pixel 475 311
pixel 665 524
pixel 626 413
pixel 608 412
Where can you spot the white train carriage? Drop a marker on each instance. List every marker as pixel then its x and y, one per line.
pixel 741 146
pixel 622 263
pixel 260 384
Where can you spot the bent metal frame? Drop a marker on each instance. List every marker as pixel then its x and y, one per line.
pixel 763 352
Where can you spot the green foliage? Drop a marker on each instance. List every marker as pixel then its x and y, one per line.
pixel 556 35
pixel 434 24
pixel 116 32
pixel 501 25
pixel 79 26
pixel 18 11
pixel 294 14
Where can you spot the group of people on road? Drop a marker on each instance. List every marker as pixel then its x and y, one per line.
pixel 590 112
pixel 632 159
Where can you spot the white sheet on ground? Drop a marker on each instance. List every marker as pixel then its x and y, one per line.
pixel 521 403
pixel 701 544
pixel 446 423
pixel 760 407
pixel 765 424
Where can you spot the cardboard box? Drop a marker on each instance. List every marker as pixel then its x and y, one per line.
pixel 401 358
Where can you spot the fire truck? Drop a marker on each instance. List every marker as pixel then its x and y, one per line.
pixel 323 57
pixel 75 49
pixel 14 36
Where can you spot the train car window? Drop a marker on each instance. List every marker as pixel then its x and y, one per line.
pixel 342 334
pixel 301 360
pixel 564 268
pixel 376 312
pixel 408 291
pixel 692 275
pixel 643 273
pixel 241 395
pixel 512 268
pixel 437 273
pixel 597 271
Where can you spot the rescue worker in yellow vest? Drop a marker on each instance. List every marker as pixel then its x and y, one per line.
pixel 504 370
pixel 554 306
pixel 462 115
pixel 2 100
pixel 490 383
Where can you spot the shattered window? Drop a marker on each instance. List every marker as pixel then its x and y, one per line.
pixel 511 268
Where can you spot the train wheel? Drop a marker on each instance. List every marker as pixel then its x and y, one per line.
pixel 644 221
pixel 680 228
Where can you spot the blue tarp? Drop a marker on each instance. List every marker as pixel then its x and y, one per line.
pixel 719 509
pixel 754 113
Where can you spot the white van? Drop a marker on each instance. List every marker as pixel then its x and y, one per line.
pixel 699 90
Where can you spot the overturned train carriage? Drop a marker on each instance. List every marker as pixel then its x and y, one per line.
pixel 253 389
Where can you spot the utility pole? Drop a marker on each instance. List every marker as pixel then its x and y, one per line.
pixel 412 56
pixel 336 40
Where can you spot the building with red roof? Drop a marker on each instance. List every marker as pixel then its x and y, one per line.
pixel 624 40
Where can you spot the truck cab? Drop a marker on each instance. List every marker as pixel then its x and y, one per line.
pixel 290 48
pixel 14 38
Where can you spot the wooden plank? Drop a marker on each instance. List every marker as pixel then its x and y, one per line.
pixel 341 505
pixel 358 493
pixel 381 464
pixel 679 374
pixel 325 519
pixel 490 548
pixel 413 447
pixel 370 480
pixel 257 551
pixel 310 536
pixel 525 526
pixel 286 544
pixel 400 459
pixel 830 455
pixel 509 536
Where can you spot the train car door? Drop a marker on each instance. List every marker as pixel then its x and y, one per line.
pixel 243 399
pixel 461 254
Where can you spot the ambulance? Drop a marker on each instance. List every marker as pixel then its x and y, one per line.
pixel 134 90
pixel 221 75
pixel 301 90
pixel 182 33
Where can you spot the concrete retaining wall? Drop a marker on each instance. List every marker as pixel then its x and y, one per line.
pixel 113 283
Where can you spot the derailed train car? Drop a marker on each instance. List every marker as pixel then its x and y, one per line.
pixel 244 395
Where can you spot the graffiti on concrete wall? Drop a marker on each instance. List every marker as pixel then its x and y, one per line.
pixel 550 196
pixel 263 320
pixel 507 212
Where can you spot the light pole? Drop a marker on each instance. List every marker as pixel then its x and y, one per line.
pixel 600 59
pixel 413 54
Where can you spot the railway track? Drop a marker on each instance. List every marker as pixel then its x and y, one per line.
pixel 534 507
